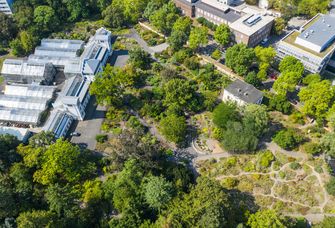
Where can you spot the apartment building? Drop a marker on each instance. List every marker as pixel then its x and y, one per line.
pixel 313 44
pixel 6 6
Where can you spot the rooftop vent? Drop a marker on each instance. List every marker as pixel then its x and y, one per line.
pixel 312 31
pixel 329 25
pixel 239 90
pixel 246 94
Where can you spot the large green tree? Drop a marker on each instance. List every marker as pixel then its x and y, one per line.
pixel 173 132
pixel 8 29
pixel 223 113
pixel 265 219
pixel 222 34
pixel 239 58
pixel 45 18
pixel 198 37
pixel 317 98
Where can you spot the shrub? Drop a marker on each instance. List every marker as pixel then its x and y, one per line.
pixel 288 138
pixel 330 186
pixel 101 138
pixel 295 165
pixel 282 174
pixel 231 161
pixel 203 21
pixel 297 117
pixel 311 148
pixel 265 159
pixel 249 167
pixel 216 54
pixel 229 182
pixel 192 63
pixel 319 169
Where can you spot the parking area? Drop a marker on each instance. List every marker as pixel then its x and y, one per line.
pixel 90 127
pixel 119 58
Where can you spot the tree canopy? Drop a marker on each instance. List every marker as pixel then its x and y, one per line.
pixel 239 58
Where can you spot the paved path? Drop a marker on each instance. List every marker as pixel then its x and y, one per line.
pixel 151 50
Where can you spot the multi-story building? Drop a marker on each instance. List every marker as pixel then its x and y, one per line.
pixel 313 44
pixel 74 97
pixel 250 25
pixel 242 93
pixel 6 6
pixel 20 71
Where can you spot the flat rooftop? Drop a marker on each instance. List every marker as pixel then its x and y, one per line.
pixel 291 38
pixel 320 31
pixel 250 24
pixel 228 15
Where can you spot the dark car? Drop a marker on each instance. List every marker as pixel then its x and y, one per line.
pixel 75 134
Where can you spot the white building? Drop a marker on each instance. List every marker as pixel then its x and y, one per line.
pixel 313 45
pixel 75 58
pixel 58 123
pixel 6 6
pixel 242 93
pixel 21 134
pixel 74 97
pixel 21 71
pixel 24 104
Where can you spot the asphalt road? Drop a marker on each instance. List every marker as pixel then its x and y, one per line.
pixel 90 127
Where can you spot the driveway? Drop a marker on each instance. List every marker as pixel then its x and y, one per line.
pixel 90 127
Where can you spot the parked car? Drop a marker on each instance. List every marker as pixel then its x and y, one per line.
pixel 75 134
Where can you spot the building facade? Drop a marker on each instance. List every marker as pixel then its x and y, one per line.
pixel 58 123
pixel 242 93
pixel 74 97
pixel 248 25
pixel 313 44
pixel 6 6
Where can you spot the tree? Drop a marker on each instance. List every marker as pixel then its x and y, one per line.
pixel 291 64
pixel 222 34
pixel 198 37
pixel 279 26
pixel 8 29
pixel 317 98
pixel 239 58
pixel 238 139
pixel 180 33
pixel 311 78
pixel 328 144
pixel 280 103
pixel 63 162
pixel 252 79
pixel 165 17
pixel 109 86
pixel 265 219
pixel 8 155
pixel 256 119
pixel 182 93
pixel 313 7
pixel 113 16
pixel 173 132
pixel 24 44
pixel 265 57
pixel 139 58
pixel 206 204
pixel 286 82
pixel 223 113
pixel 331 116
pixel 77 9
pixel 34 219
pixel 45 18
pixel 157 191
pixel 288 139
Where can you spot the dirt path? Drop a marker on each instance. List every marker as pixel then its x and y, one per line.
pixel 274 176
